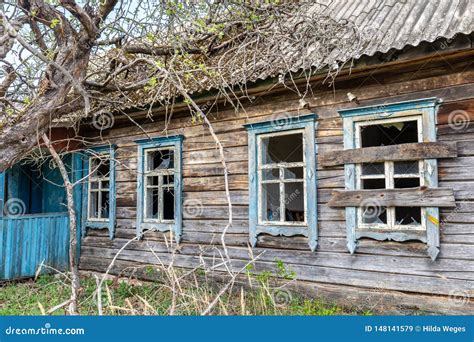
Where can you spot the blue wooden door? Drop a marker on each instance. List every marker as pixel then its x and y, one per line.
pixel 29 242
pixel 34 224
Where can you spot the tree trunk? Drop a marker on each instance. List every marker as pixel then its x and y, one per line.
pixel 75 281
pixel 18 139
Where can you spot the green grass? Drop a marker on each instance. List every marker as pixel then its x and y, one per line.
pixel 155 298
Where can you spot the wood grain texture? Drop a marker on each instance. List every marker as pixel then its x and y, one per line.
pixel 401 152
pixel 412 197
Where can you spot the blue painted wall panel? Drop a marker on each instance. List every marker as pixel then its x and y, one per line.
pixel 27 241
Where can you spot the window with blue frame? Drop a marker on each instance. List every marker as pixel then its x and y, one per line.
pixel 282 178
pixel 99 190
pixel 392 127
pixel 159 185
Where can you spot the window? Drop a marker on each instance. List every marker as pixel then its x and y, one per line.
pixel 159 185
pixel 281 168
pixel 282 180
pixel 390 174
pixel 99 190
pixel 98 196
pixel 390 154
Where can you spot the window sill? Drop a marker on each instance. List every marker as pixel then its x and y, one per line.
pixel 109 225
pixel 398 235
pixel 97 224
pixel 161 227
pixel 278 230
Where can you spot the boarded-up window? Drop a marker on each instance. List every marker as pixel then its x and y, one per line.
pixel 390 160
pixel 389 174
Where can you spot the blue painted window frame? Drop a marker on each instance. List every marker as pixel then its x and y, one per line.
pixel 426 108
pixel 175 142
pixel 308 125
pixel 110 223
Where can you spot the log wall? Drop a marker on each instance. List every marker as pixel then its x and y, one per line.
pixel 400 275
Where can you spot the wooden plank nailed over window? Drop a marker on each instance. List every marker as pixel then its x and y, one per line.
pixel 400 152
pixel 413 197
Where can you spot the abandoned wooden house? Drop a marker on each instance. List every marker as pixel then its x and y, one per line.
pixel 365 188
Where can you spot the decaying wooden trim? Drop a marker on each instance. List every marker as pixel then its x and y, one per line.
pixel 413 197
pixel 400 152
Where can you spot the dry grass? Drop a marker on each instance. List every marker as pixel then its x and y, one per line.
pixel 186 293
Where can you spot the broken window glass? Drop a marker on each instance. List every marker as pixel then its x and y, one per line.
pixel 389 134
pixel 152 201
pixel 271 174
pixel 294 173
pixel 286 148
pixel 374 214
pixel 160 159
pixel 282 178
pixel 159 183
pixel 271 201
pixel 98 196
pixel 390 175
pixel 408 216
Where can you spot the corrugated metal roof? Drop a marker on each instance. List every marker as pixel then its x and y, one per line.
pixel 395 24
pixel 382 25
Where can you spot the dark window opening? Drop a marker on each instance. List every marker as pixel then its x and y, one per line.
pixel 294 202
pixel 100 167
pixel 389 134
pixel 104 205
pixel 373 183
pixel 401 183
pixel 408 216
pixel 294 173
pixel 168 204
pixel 286 148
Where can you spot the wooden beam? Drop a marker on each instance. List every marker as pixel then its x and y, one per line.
pixel 400 152
pixel 412 197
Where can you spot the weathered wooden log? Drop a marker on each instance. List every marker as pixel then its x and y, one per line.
pixel 400 152
pixel 413 197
